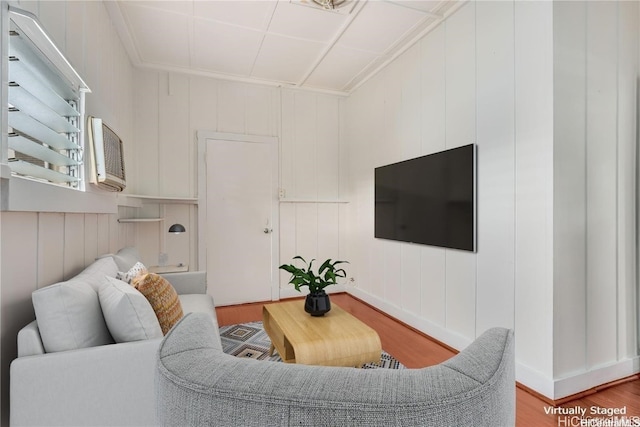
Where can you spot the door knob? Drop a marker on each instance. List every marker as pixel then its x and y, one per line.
pixel 267 230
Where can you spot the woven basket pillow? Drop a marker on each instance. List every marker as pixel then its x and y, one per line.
pixel 163 298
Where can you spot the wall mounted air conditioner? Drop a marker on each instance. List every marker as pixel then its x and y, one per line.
pixel 107 156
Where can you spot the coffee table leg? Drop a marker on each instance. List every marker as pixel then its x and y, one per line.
pixel 271 348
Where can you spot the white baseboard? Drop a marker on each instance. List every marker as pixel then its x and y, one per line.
pixel 577 383
pixel 432 329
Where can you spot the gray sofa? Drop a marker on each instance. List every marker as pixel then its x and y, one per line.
pixel 199 385
pixel 100 384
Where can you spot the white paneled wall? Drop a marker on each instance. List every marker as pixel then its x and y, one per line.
pixel 39 248
pixel 595 72
pixel 533 162
pixel 495 134
pixel 312 179
pixel 547 92
pixel 171 108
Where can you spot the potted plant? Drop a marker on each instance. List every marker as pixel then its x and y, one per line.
pixel 317 302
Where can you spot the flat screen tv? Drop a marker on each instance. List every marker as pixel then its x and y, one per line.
pixel 429 200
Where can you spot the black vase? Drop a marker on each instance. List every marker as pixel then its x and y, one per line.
pixel 317 303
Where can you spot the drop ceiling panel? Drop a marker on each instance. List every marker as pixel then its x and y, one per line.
pixel 224 48
pixel 168 46
pixel 305 22
pixel 293 42
pixel 184 7
pixel 379 26
pixel 251 14
pixel 425 6
pixel 339 67
pixel 285 59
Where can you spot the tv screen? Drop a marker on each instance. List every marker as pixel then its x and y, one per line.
pixel 429 200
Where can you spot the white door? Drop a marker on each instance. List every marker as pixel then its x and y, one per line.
pixel 241 218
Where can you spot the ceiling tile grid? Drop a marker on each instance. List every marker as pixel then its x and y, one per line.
pixel 289 42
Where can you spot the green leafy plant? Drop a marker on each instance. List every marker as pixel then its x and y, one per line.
pixel 326 275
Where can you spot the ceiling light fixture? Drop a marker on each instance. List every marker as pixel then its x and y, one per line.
pixel 330 4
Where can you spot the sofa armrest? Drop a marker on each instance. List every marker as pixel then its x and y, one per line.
pixel 189 282
pixel 105 385
pixel 29 340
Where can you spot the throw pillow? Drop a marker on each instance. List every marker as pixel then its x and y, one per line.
pixel 137 270
pixel 163 298
pixel 128 314
pixel 69 316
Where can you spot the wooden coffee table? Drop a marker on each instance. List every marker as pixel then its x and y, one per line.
pixel 335 339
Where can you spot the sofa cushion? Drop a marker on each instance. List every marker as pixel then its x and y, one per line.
pixel 163 298
pixel 199 303
pixel 69 316
pixel 128 313
pixel 135 271
pixel 95 272
pixel 125 258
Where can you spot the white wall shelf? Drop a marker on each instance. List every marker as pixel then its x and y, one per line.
pixel 312 201
pixel 140 219
pixel 136 200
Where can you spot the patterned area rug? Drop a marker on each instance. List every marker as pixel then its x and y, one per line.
pixel 251 340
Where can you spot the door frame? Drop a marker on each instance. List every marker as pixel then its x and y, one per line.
pixel 202 138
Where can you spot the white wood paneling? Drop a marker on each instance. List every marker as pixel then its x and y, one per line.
pixel 75 45
pixel 409 124
pixel 50 245
pixel 391 272
pixel 145 179
pixel 203 109
pixel 307 230
pixel 433 129
pixel 433 133
pixel 175 147
pixel 433 285
pixel 460 66
pixel 328 231
pixel 73 244
pixel 570 176
pixel 533 186
pixel 328 147
pixel 231 118
pixel 90 238
pixel 496 152
pixel 288 248
pixel 628 321
pixel 305 166
pixel 410 278
pixel 53 16
pixel 103 235
pixel 460 130
pixel 601 182
pixel 287 140
pixel 260 114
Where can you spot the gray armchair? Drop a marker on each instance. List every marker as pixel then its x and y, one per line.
pixel 197 384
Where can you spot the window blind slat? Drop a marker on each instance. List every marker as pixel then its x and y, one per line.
pixel 33 149
pixel 20 74
pixel 36 130
pixel 33 106
pixel 28 169
pixel 45 105
pixel 23 49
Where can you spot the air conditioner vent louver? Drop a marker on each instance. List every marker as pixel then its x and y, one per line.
pixel 107 156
